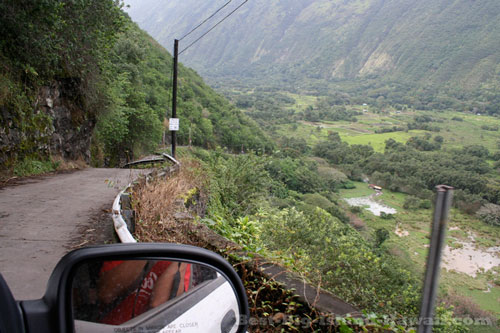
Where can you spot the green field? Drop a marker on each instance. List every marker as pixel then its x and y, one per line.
pixel 456 133
pixel 377 141
pixel 301 101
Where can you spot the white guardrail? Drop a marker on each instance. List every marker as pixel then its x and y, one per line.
pixel 118 221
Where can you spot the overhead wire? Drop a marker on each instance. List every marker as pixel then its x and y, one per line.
pixel 231 13
pixel 208 18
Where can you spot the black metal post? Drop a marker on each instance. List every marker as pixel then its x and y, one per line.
pixel 431 282
pixel 174 91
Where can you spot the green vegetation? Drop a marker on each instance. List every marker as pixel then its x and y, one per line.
pixel 30 167
pixel 307 236
pixel 298 227
pixel 139 90
pixel 110 76
pixel 407 168
pixel 410 249
pixel 44 42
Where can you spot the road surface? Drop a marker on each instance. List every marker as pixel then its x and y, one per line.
pixel 40 217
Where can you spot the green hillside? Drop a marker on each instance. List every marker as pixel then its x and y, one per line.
pixel 392 46
pixel 80 80
pixel 140 88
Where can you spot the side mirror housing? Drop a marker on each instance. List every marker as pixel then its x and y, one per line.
pixel 11 319
pixel 141 287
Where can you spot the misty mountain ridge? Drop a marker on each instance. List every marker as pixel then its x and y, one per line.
pixel 414 43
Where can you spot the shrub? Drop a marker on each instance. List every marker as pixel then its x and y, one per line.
pixel 467 202
pixel 490 214
pixel 357 223
pixel 337 212
pixel 381 235
pixel 355 209
pixel 321 244
pixel 386 216
pixel 349 185
pixel 447 324
pixel 411 202
pixel 464 306
pixel 496 156
pixel 30 167
pixel 425 204
pixel 492 128
pixel 317 200
pixel 237 184
pixel 333 177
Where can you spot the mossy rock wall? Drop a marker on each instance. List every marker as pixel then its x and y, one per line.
pixel 50 121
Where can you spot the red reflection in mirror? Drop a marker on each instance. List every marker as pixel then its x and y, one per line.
pixel 114 292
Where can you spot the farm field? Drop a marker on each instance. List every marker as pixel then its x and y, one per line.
pixel 408 241
pixel 457 128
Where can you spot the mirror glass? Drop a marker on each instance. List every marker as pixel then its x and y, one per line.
pixel 152 296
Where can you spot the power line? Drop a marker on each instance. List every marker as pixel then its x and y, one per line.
pixel 208 18
pixel 231 13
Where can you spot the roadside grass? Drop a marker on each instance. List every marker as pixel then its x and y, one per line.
pixel 30 167
pixel 156 203
pixel 36 166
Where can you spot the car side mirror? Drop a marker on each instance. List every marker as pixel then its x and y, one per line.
pixel 143 287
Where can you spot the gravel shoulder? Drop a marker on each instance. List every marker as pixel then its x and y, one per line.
pixel 42 218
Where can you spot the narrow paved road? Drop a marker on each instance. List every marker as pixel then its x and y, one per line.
pixel 40 217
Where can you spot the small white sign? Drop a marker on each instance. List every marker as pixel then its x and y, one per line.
pixel 173 124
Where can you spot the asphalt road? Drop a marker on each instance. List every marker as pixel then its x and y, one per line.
pixel 40 217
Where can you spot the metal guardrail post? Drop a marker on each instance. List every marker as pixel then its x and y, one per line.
pixel 431 282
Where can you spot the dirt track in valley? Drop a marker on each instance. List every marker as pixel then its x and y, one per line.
pixel 43 218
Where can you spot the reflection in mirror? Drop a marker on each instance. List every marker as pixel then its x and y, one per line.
pixel 152 296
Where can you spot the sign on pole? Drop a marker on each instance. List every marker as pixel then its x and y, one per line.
pixel 173 124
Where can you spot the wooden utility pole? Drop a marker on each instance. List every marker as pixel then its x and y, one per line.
pixel 174 91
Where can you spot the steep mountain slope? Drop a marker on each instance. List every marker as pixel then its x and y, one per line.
pixel 140 87
pixel 411 42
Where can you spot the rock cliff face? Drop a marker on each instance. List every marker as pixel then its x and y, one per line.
pixel 55 124
pixel 72 125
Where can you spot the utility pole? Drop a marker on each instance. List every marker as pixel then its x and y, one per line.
pixel 174 121
pixel 174 93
